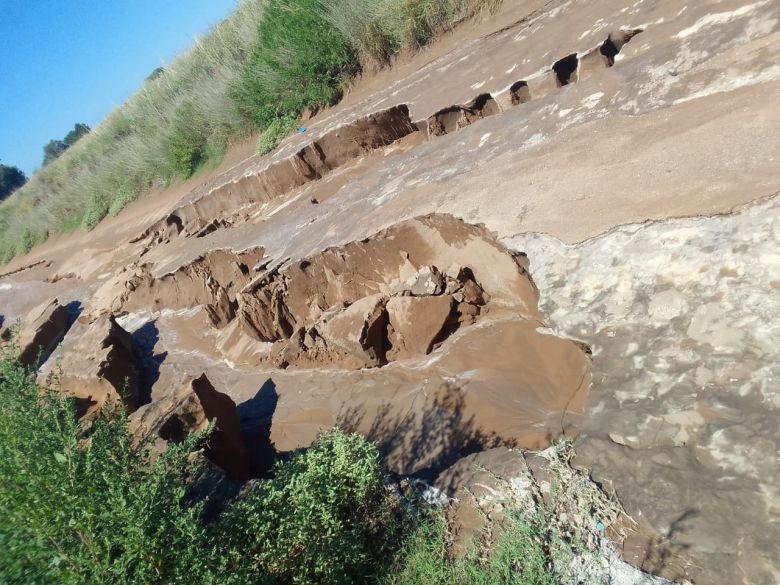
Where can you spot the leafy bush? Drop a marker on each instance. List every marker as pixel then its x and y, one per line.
pixel 90 510
pixel 124 195
pixel 97 209
pixel 325 517
pixel 300 60
pixel 187 141
pixel 274 134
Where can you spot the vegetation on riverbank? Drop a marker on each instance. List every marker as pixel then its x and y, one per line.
pixel 255 71
pixel 86 507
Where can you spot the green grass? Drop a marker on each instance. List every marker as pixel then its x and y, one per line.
pixel 518 558
pixel 275 133
pixel 255 71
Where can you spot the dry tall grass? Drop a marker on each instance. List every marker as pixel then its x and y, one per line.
pixel 241 77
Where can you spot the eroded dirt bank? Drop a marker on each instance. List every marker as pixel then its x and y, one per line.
pixel 313 286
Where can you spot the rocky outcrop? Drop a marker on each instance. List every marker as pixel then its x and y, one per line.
pixel 415 323
pixel 40 333
pixel 190 410
pixel 682 418
pixel 95 363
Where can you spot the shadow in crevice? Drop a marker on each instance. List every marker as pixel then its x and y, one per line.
pixel 566 69
pixel 256 415
pixel 148 362
pixel 74 308
pixel 422 442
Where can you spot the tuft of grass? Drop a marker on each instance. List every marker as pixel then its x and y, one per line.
pixel 186 142
pixel 277 131
pixel 300 60
pixel 97 208
pixel 378 29
pixel 519 557
pixel 124 195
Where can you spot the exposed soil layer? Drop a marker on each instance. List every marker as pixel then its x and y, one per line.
pixel 331 150
pixel 398 293
pixel 421 343
pixel 212 281
pixel 43 330
pixel 97 364
pixel 227 203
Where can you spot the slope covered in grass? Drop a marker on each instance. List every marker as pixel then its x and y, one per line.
pixel 256 70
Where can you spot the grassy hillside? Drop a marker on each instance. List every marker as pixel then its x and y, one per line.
pixel 254 71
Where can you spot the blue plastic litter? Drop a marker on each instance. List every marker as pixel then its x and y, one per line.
pixel 301 130
pixel 600 526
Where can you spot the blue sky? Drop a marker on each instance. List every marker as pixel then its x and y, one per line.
pixel 68 61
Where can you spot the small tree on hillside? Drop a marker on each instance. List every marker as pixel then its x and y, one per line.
pixel 78 131
pixel 52 150
pixel 55 148
pixel 11 178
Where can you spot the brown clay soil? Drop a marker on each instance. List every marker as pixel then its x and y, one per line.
pixel 377 271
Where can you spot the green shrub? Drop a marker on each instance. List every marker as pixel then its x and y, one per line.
pixel 97 209
pixel 275 133
pixel 81 511
pixel 325 517
pixel 300 60
pixel 123 196
pixel 26 241
pixel 187 142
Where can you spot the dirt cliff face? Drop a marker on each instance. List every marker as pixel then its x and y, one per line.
pixel 416 265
